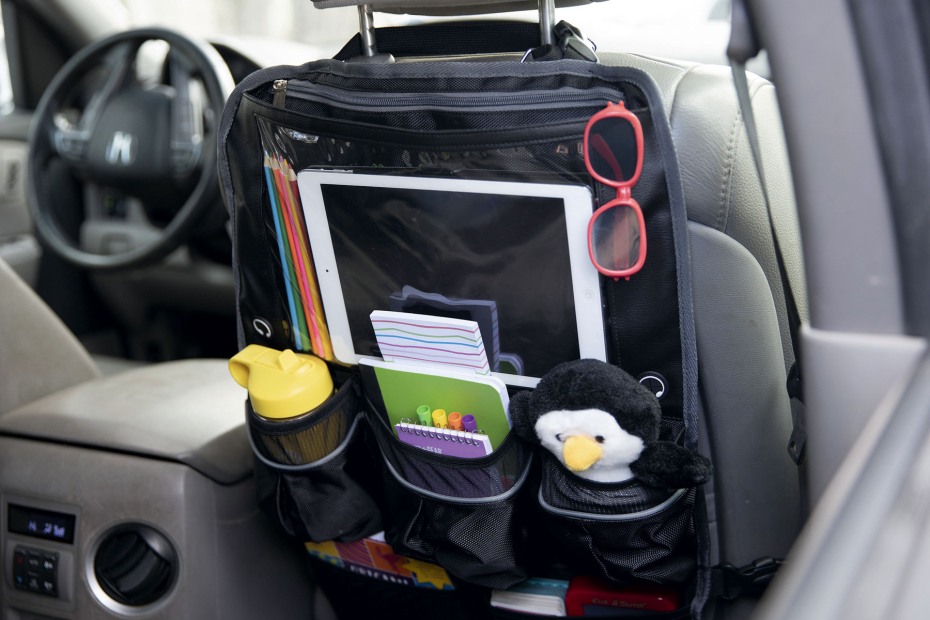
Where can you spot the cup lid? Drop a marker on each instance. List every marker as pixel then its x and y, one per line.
pixel 281 384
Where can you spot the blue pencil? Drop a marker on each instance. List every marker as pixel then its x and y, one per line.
pixel 272 196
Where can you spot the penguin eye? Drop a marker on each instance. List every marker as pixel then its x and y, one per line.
pixel 558 437
pixel 599 439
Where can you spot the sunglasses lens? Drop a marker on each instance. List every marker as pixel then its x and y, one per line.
pixel 612 150
pixel 615 238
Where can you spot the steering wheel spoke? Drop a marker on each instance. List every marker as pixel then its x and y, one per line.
pixel 118 66
pixel 187 131
pixel 70 144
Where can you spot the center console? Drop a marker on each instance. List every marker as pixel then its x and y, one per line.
pixel 133 495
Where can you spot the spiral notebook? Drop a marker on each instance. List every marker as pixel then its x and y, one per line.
pixel 444 441
pixel 404 387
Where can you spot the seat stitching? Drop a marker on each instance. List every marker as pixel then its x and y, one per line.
pixel 729 166
pixel 674 97
pixel 671 125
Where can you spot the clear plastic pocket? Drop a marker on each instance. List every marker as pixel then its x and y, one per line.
pixel 308 471
pixel 459 513
pixel 626 530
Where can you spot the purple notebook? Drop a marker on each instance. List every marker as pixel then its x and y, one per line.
pixel 444 441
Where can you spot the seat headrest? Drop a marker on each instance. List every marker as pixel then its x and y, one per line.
pixel 447 7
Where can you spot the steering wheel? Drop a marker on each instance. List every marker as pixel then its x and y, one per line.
pixel 139 149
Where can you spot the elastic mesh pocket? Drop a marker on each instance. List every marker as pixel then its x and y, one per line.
pixel 459 513
pixel 306 439
pixel 308 471
pixel 624 530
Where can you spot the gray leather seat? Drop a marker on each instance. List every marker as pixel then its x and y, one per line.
pixel 743 336
pixel 744 341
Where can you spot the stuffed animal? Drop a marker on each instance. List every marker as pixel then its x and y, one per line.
pixel 603 425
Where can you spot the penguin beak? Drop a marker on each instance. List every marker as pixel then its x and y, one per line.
pixel 579 452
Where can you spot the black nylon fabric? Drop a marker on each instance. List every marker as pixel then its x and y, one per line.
pixel 478 543
pixel 649 320
pixel 459 513
pixel 320 503
pixel 649 339
pixel 619 529
pixel 309 468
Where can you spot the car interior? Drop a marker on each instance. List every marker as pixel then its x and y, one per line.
pixel 139 257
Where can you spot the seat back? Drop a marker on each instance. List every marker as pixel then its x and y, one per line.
pixel 741 326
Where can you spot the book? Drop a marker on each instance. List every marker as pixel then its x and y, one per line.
pixel 593 596
pixel 444 441
pixel 536 595
pixel 372 557
pixel 481 311
pixel 405 387
pixel 434 340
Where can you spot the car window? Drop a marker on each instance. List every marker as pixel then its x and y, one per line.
pixel 6 88
pixel 694 30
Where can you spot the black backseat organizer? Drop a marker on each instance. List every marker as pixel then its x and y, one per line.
pixel 514 513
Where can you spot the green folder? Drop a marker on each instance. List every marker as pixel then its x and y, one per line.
pixel 405 387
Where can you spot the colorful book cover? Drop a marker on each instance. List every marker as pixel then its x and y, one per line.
pixel 374 558
pixel 444 441
pixel 481 311
pixel 536 595
pixel 594 596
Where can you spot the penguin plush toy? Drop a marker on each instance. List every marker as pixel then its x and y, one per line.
pixel 603 425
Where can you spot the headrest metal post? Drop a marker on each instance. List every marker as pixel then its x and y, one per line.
pixel 546 21
pixel 366 27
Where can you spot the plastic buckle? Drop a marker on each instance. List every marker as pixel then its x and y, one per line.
pixel 573 44
pixel 731 582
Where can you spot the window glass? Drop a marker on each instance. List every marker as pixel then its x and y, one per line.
pixel 682 29
pixel 6 87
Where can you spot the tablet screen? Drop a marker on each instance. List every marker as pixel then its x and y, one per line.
pixel 502 259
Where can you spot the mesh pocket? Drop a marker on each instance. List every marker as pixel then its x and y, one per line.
pixel 624 530
pixel 309 438
pixel 459 513
pixel 307 471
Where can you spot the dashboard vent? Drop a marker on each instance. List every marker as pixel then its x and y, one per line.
pixel 135 565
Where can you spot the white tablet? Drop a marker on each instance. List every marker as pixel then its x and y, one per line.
pixel 511 256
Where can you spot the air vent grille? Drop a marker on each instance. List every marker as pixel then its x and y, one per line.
pixel 135 565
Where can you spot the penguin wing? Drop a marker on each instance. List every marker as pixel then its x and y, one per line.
pixel 664 464
pixel 522 418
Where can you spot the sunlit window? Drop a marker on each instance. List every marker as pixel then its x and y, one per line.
pixel 6 87
pixel 683 29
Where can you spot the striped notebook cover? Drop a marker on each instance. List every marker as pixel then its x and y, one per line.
pixel 420 338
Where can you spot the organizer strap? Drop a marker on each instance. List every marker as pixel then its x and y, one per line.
pixel 730 582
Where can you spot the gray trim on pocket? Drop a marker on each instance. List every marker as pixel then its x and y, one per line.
pixel 463 500
pixel 642 514
pixel 306 466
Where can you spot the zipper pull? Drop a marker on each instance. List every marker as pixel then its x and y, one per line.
pixel 280 93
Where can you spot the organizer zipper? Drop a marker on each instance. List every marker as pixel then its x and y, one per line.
pixel 390 102
pixel 279 88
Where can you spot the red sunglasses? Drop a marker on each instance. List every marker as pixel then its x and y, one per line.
pixel 613 153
